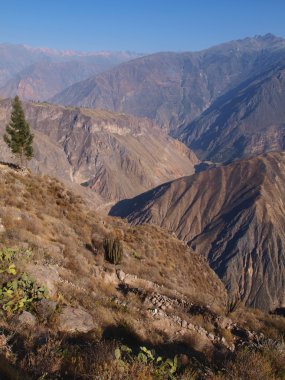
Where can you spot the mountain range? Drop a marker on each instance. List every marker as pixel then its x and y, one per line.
pixel 174 88
pixel 38 73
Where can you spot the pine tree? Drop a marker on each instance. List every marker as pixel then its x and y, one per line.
pixel 18 135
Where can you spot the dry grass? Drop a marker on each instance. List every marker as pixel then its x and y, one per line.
pixel 272 326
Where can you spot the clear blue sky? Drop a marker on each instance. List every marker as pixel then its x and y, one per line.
pixel 137 25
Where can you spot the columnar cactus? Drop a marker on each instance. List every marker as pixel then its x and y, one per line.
pixel 113 250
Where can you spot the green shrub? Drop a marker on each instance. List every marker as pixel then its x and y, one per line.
pixel 113 250
pixel 19 294
pixel 160 368
pixel 17 290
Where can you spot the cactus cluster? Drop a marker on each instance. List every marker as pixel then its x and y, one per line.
pixel 113 250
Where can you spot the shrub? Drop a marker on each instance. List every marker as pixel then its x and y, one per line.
pixel 113 250
pixel 18 294
pixel 158 367
pixel 17 291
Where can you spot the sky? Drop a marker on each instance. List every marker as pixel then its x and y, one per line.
pixel 142 26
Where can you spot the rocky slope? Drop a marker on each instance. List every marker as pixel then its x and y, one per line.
pixel 174 88
pixel 234 216
pixel 246 121
pixel 38 74
pixel 162 295
pixel 116 155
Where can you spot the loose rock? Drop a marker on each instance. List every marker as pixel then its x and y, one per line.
pixel 73 320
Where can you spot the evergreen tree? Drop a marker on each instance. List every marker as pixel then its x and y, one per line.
pixel 18 135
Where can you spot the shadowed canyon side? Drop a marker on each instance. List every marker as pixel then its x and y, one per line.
pixel 174 88
pixel 234 216
pixel 246 121
pixel 116 155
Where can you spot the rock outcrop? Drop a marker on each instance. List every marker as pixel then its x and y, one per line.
pixel 74 320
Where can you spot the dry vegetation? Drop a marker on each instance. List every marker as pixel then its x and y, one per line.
pixel 67 256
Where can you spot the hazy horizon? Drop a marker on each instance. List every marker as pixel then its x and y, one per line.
pixel 63 50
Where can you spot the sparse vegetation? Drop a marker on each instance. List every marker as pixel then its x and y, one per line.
pixel 63 246
pixel 158 367
pixel 17 290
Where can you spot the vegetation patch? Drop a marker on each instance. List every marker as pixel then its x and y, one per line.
pixel 17 290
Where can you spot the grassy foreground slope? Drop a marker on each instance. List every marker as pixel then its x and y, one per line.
pixel 67 313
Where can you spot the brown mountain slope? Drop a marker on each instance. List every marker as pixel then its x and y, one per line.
pixel 174 88
pixel 45 214
pixel 248 120
pixel 234 216
pixel 116 155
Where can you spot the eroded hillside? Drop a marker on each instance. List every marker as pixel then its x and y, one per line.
pixel 246 121
pixel 234 216
pixel 116 155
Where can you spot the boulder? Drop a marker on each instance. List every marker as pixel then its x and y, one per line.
pixel 72 320
pixel 121 275
pixel 44 276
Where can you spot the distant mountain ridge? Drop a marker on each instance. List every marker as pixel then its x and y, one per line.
pixel 234 216
pixel 174 88
pixel 39 73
